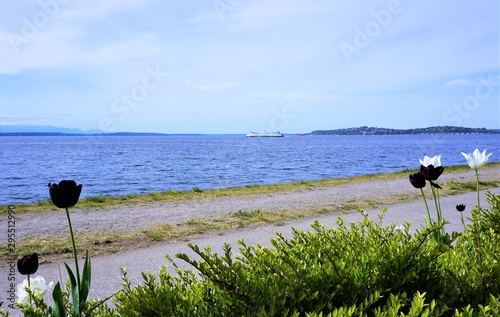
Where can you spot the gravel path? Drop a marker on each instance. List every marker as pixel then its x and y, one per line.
pixel 138 217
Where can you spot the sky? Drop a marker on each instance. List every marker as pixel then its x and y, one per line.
pixel 234 66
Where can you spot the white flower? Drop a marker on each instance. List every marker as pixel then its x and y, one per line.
pixel 476 159
pixel 37 286
pixel 434 161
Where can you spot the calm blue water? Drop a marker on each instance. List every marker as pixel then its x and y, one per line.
pixel 133 165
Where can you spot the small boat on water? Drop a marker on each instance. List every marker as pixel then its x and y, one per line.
pixel 265 133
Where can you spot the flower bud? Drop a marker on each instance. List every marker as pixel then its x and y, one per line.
pixel 65 194
pixel 28 264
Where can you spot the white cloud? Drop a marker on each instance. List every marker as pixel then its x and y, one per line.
pixel 51 50
pixel 296 97
pixel 489 81
pixel 74 37
pixel 218 86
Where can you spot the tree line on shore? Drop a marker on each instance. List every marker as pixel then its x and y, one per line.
pixel 365 130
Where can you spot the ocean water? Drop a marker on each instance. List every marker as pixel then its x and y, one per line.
pixel 122 165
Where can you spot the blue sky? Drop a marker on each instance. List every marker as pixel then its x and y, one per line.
pixel 231 66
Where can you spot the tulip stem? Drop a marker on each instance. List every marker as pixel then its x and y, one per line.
pixel 435 195
pixel 29 288
pixel 440 215
pixel 74 249
pixel 437 203
pixel 463 222
pixel 426 205
pixel 478 233
pixel 477 190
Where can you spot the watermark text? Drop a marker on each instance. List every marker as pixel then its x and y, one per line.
pixel 11 263
pixel 40 19
pixel 122 106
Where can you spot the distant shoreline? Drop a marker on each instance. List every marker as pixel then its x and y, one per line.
pixel 364 130
pixel 145 134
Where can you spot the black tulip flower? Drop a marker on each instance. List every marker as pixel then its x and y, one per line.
pixel 460 207
pixel 430 172
pixel 65 194
pixel 28 264
pixel 417 180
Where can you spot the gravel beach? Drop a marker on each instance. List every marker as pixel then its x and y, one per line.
pixel 138 217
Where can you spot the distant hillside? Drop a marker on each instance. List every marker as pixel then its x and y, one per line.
pixel 32 130
pixel 43 129
pixel 431 130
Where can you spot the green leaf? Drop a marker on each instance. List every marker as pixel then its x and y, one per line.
pixel 58 302
pixel 86 278
pixel 74 291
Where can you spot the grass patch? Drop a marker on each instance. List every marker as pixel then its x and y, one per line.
pixel 158 233
pixel 59 246
pixel 197 190
pixel 247 214
pixel 460 187
pixel 94 200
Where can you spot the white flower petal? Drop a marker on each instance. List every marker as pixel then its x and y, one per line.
pixel 425 161
pixel 477 159
pixel 37 286
pixel 434 161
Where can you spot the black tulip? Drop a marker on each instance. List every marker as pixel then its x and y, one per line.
pixel 28 264
pixel 460 207
pixel 430 172
pixel 65 194
pixel 417 180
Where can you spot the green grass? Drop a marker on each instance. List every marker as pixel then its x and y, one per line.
pixel 471 186
pixel 197 190
pixel 95 199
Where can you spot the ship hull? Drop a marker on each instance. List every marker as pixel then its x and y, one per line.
pixel 264 134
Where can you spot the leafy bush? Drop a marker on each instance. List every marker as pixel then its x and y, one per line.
pixel 328 268
pixel 363 269
pixel 180 295
pixel 490 219
pixel 471 273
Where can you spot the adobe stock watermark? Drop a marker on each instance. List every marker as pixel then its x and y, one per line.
pixel 483 90
pixel 40 19
pixel 363 36
pixel 222 7
pixel 280 120
pixel 11 263
pixel 122 106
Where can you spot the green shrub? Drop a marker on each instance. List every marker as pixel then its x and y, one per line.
pixel 167 295
pixel 490 218
pixel 362 269
pixel 470 273
pixel 324 269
